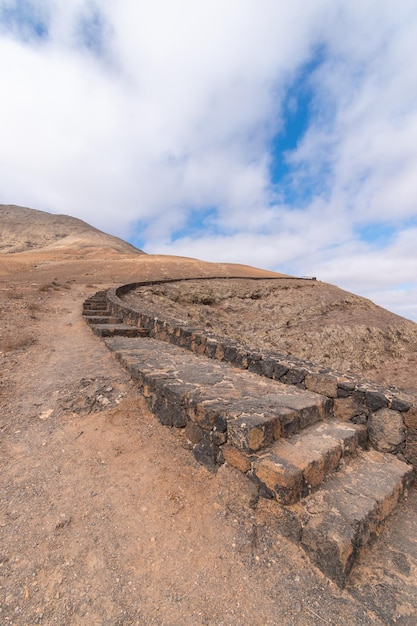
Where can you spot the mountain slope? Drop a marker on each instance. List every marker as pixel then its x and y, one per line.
pixel 23 229
pixel 308 319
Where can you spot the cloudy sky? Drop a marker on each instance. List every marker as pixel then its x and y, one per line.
pixel 274 133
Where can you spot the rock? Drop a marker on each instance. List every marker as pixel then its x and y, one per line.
pixel 376 400
pixel 236 458
pixel 347 408
pixel 410 451
pixel 46 414
pixel 386 430
pixel 205 452
pixel 410 418
pixel 321 383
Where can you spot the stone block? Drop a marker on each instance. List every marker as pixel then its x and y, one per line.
pixel 329 542
pixel 236 458
pixel 386 430
pixel 410 450
pixel 160 329
pixel 162 409
pixel 147 322
pixel 324 384
pixel 313 464
pixel 184 339
pixel 210 349
pixel 169 404
pixel 347 408
pixel 251 432
pixel 220 349
pixel 255 363
pixel 410 418
pixel 194 432
pixel 376 400
pixel 206 453
pixel 290 422
pixel 198 343
pixel 236 355
pixel 294 376
pixel 314 413
pixel 280 369
pixel 280 477
pixel 230 353
pixel 204 415
pixel 345 387
pixel 296 418
pixel 268 367
pixel 402 402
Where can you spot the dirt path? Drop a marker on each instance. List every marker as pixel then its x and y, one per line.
pixel 105 517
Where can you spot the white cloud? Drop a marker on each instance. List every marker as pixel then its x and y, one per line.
pixel 155 113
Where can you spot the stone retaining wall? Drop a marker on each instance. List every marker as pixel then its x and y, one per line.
pixel 389 414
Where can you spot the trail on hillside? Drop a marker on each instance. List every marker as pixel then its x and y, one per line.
pixel 307 319
pixel 106 518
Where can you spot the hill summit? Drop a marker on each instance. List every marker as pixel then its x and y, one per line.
pixel 23 229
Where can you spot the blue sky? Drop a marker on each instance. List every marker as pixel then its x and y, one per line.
pixel 281 135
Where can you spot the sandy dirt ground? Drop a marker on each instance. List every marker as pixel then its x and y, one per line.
pixel 105 517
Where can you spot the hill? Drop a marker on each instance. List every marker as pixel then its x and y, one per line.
pixel 105 516
pixel 308 319
pixel 23 229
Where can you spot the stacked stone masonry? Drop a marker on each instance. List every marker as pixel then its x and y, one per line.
pixel 276 420
pixel 389 414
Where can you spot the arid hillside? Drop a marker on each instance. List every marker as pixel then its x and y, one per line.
pixel 23 229
pixel 308 319
pixel 106 518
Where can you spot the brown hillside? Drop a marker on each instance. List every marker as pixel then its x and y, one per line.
pixel 105 516
pixel 308 319
pixel 23 229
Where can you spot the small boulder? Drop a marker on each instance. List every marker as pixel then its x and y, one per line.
pixel 386 430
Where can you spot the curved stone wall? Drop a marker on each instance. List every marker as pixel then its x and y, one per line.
pixel 389 414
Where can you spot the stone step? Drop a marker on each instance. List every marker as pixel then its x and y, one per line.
pixel 94 300
pixel 335 523
pixel 216 402
pixel 121 330
pixel 97 298
pixel 95 306
pixel 283 437
pixel 102 319
pixel 331 496
pixel 101 313
pixel 294 467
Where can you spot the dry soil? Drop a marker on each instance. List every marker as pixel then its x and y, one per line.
pixel 308 319
pixel 105 517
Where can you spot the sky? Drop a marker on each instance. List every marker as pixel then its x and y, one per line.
pixel 272 133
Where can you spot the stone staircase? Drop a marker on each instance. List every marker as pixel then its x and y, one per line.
pixel 102 323
pixel 333 494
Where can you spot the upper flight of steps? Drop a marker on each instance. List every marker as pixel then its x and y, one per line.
pixel 102 323
pixel 334 493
